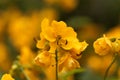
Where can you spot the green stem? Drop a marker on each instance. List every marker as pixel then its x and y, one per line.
pixel 56 59
pixel 26 76
pixel 106 72
pixel 21 68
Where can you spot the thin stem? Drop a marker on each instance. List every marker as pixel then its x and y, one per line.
pixel 22 70
pixel 56 58
pixel 26 76
pixel 106 72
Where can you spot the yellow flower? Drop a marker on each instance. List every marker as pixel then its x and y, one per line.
pixel 45 59
pixel 67 63
pixel 102 46
pixel 7 77
pixel 57 35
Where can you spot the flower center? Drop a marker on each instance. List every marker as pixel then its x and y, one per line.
pixel 61 41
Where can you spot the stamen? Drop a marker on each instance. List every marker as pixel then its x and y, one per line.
pixel 57 39
pixel 66 42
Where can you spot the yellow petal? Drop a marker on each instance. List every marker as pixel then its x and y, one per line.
pixel 7 77
pixel 59 27
pixel 83 46
pixel 50 34
pixel 41 43
pixel 44 24
pixel 77 49
pixel 68 63
pixel 61 62
pixel 47 31
pixel 53 47
pixel 69 33
pixel 43 59
pixel 72 43
pixel 107 40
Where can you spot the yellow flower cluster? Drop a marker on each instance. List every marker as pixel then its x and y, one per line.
pixel 105 45
pixel 57 37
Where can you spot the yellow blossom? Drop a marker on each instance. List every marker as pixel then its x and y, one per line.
pixel 57 34
pixel 55 39
pixel 7 77
pixel 102 46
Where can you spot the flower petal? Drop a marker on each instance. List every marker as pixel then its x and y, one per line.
pixel 7 77
pixel 43 59
pixel 44 24
pixel 69 33
pixel 77 49
pixel 47 31
pixel 59 27
pixel 68 63
pixel 53 47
